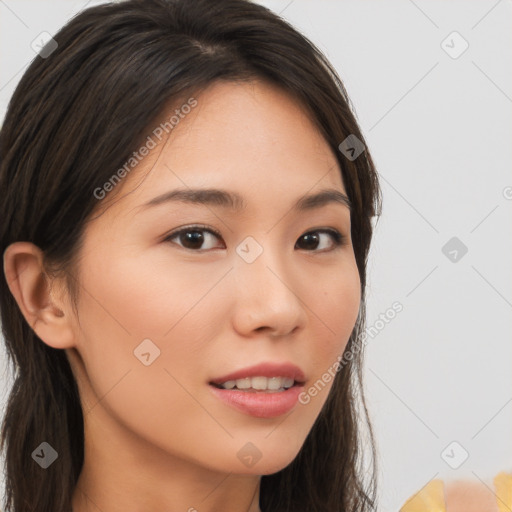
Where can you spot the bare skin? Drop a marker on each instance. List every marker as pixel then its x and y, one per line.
pixel 156 437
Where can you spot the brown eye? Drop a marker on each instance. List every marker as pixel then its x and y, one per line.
pixel 193 237
pixel 312 239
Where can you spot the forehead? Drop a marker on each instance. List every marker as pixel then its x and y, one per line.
pixel 250 137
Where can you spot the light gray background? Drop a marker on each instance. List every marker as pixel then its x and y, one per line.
pixel 439 129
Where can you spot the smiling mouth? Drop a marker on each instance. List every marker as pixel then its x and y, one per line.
pixel 259 403
pixel 258 384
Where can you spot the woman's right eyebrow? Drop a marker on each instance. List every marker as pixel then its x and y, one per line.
pixel 234 201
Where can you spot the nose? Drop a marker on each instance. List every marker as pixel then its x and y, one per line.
pixel 267 296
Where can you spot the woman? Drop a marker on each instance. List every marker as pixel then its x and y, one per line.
pixel 187 217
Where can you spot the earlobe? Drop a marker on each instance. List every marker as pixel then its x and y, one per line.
pixel 34 293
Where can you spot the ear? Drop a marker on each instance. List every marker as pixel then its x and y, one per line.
pixel 35 292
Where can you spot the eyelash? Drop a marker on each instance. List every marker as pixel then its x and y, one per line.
pixel 338 238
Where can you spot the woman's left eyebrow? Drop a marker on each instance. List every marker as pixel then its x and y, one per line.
pixel 236 202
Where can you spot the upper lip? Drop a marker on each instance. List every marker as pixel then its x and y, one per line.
pixel 265 370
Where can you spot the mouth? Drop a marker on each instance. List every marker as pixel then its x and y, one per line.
pixel 259 384
pixel 259 403
pixel 266 376
pixel 266 390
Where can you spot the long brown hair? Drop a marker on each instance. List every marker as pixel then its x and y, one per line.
pixel 77 114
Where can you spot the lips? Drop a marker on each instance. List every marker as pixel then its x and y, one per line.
pixel 260 404
pixel 269 369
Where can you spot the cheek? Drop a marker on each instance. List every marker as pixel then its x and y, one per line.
pixel 336 307
pixel 145 297
pixel 137 313
pixel 340 301
pixel 124 306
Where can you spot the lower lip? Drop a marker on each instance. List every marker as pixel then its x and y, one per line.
pixel 259 403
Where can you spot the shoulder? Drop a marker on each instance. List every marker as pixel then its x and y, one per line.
pixel 463 496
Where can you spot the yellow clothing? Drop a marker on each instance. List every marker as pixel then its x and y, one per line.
pixel 503 486
pixel 431 498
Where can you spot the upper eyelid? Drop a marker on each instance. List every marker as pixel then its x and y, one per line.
pixel 193 227
pixel 199 227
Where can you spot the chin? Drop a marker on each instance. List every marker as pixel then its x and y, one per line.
pixel 263 466
pixel 271 465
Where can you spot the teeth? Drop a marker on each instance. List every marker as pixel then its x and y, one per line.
pixel 243 383
pixel 259 383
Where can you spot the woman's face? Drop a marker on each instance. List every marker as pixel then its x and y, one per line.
pixel 162 315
